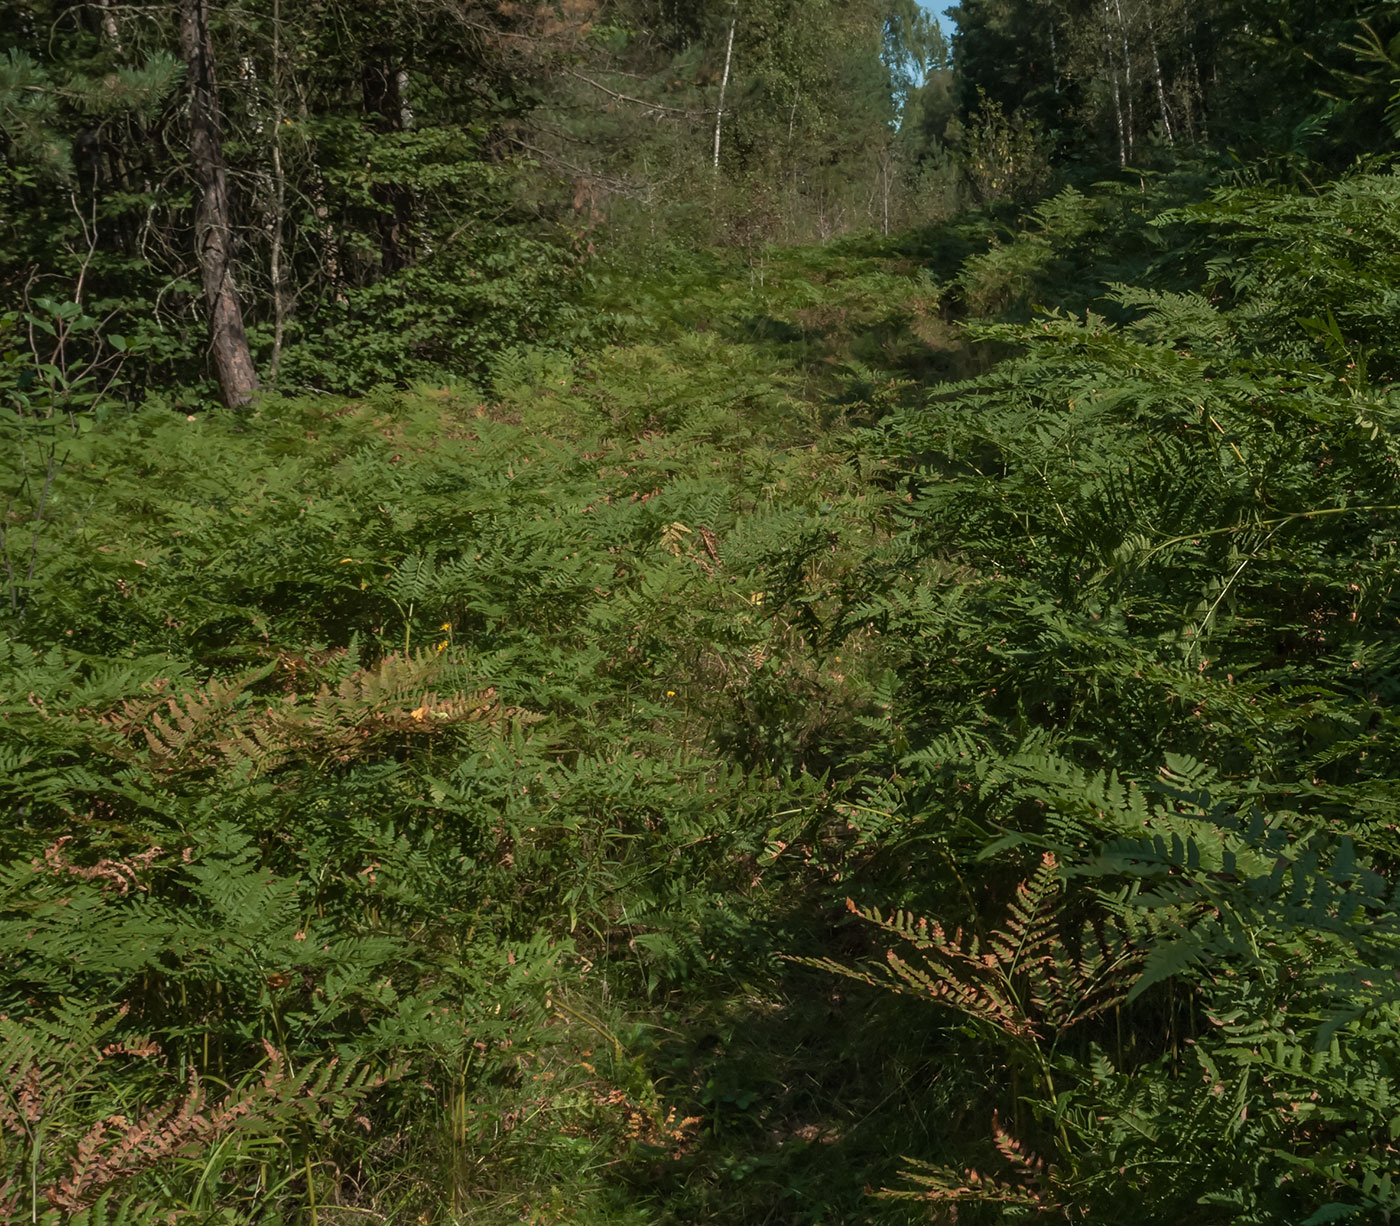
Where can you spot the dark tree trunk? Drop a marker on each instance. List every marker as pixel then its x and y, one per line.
pixel 228 342
pixel 383 90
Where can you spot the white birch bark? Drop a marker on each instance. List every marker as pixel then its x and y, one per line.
pixel 1113 79
pixel 277 221
pixel 1197 97
pixel 1161 85
pixel 109 26
pixel 724 80
pixel 1127 76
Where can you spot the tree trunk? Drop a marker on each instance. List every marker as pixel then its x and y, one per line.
pixel 1113 78
pixel 1161 85
pixel 724 80
pixel 1127 76
pixel 1196 97
pixel 383 85
pixel 228 342
pixel 109 26
pixel 885 188
pixel 277 219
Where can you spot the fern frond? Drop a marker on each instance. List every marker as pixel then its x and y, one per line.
pixel 225 725
pixel 1025 979
pixel 1029 1180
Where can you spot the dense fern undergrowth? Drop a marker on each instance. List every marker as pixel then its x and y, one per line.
pixel 861 747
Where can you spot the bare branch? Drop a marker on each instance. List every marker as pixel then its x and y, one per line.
pixel 642 102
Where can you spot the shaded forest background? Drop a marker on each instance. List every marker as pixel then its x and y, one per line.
pixel 673 611
pixel 389 194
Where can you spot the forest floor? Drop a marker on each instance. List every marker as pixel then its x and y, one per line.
pixel 445 807
pixel 524 705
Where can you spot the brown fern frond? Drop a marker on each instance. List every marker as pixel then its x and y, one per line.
pixel 167 733
pixel 16 1061
pixel 142 1048
pixel 221 726
pixel 1030 931
pixel 1015 1152
pixel 117 1148
pixel 1025 978
pixel 949 1186
pixel 984 997
pixel 119 875
pixel 1028 1182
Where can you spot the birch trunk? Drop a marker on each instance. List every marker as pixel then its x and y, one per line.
pixel 885 189
pixel 1113 78
pixel 1197 98
pixel 1161 85
pixel 1127 76
pixel 278 220
pixel 109 26
pixel 724 80
pixel 330 260
pixel 228 342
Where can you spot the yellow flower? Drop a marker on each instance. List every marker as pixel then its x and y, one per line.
pixel 670 693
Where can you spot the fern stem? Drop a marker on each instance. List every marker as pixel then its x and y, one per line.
pixel 1280 522
pixel 310 1187
pixel 591 1022
pixel 1225 588
pixel 1060 1130
pixel 36 1137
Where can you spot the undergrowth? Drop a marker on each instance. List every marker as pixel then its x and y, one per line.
pixel 445 739
pixel 809 747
